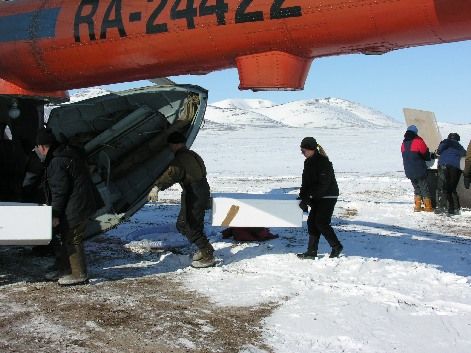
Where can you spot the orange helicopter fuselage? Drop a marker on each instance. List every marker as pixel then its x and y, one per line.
pixel 47 46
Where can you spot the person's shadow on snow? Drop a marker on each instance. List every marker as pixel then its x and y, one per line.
pixel 365 239
pixel 449 253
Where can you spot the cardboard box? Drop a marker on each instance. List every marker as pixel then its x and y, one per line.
pixel 25 224
pixel 256 210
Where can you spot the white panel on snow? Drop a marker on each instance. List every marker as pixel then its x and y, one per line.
pixel 25 224
pixel 256 210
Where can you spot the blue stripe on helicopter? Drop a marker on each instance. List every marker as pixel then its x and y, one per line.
pixel 29 26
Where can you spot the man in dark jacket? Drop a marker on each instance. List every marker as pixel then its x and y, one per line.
pixel 450 153
pixel 72 195
pixel 467 167
pixel 414 154
pixel 319 190
pixel 188 169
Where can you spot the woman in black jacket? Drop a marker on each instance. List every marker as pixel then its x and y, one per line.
pixel 319 190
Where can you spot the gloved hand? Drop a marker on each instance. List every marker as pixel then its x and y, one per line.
pixel 466 181
pixel 303 206
pixel 55 222
pixel 153 195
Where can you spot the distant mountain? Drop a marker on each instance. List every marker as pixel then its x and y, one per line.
pixel 246 104
pixel 315 113
pixel 238 117
pixel 86 93
pixel 230 114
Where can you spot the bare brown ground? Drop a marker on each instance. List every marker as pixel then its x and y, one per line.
pixel 154 313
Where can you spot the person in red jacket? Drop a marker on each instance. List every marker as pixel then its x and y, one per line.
pixel 414 155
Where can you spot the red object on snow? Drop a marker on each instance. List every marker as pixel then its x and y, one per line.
pixel 248 234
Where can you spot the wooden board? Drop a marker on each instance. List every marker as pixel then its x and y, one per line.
pixel 427 125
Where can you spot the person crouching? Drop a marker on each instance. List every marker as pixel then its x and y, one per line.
pixel 188 169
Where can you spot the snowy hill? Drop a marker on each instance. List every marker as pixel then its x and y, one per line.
pixel 86 93
pixel 246 104
pixel 331 113
pixel 232 118
pixel 315 113
pixel 230 114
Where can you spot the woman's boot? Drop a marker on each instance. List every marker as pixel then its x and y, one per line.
pixel 311 252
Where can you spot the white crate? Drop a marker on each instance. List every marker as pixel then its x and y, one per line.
pixel 25 224
pixel 256 210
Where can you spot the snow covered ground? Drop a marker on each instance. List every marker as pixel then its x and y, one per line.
pixel 403 283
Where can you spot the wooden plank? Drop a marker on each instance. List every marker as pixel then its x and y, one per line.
pixel 427 125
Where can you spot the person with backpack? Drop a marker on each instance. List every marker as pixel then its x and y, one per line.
pixel 414 155
pixel 319 191
pixel 450 153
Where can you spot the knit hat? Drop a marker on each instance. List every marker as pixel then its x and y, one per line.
pixel 309 143
pixel 45 137
pixel 454 136
pixel 413 128
pixel 176 137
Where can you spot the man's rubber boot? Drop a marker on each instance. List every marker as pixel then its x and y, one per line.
pixel 199 253
pixel 78 267
pixel 417 203
pixel 204 257
pixel 61 265
pixel 336 250
pixel 311 252
pixel 56 272
pixel 428 204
